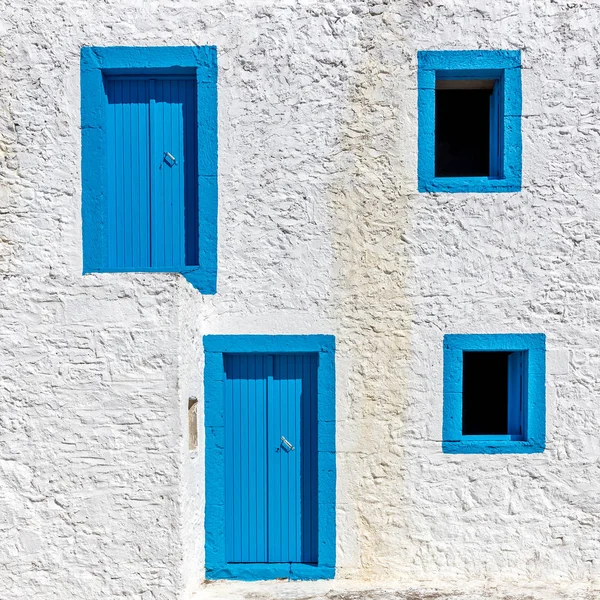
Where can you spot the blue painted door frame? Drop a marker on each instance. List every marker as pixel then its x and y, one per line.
pixel 270 510
pixel 100 64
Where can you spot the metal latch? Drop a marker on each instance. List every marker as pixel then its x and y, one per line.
pixel 287 444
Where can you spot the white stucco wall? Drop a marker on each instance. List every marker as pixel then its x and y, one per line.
pixel 321 230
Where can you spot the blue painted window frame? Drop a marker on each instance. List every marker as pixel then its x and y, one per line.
pixel 533 438
pixel 96 62
pixel 501 65
pixel 215 346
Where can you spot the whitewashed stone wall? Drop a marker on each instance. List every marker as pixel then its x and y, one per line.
pixel 321 230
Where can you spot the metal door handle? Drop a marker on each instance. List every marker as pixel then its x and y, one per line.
pixel 289 446
pixel 170 159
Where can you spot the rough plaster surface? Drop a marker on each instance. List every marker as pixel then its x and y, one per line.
pixel 353 590
pixel 321 231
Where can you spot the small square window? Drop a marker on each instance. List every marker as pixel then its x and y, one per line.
pixel 494 393
pixel 469 121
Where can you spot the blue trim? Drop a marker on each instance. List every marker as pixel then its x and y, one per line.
pixel 502 65
pixel 264 344
pixel 533 439
pixel 200 61
pixel 214 347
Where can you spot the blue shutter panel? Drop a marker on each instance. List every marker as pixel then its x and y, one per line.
pixel 128 209
pixel 152 204
pixel 190 183
pixel 496 127
pixel 246 457
pixel 309 457
pixel 167 127
pixel 517 390
pixel 285 388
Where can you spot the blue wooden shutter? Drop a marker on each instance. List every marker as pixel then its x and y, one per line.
pixel 271 490
pixel 292 473
pixel 517 390
pixel 285 390
pixel 496 130
pixel 152 206
pixel 246 457
pixel 173 130
pixel 309 457
pixel 128 209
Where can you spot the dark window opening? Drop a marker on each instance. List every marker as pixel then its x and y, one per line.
pixel 485 393
pixel 462 128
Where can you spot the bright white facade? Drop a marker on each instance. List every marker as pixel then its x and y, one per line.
pixel 321 231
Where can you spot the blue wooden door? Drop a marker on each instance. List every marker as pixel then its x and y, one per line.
pixel 152 181
pixel 271 458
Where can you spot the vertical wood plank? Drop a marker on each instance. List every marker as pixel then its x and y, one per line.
pixel 190 183
pixel 143 181
pixel 119 150
pixel 111 144
pixel 130 149
pixel 284 489
pixel 295 462
pixel 167 176
pixel 265 368
pixel 244 454
pixel 228 454
pixel 515 393
pixel 252 458
pixel 274 462
pixel 156 216
pixel 312 452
